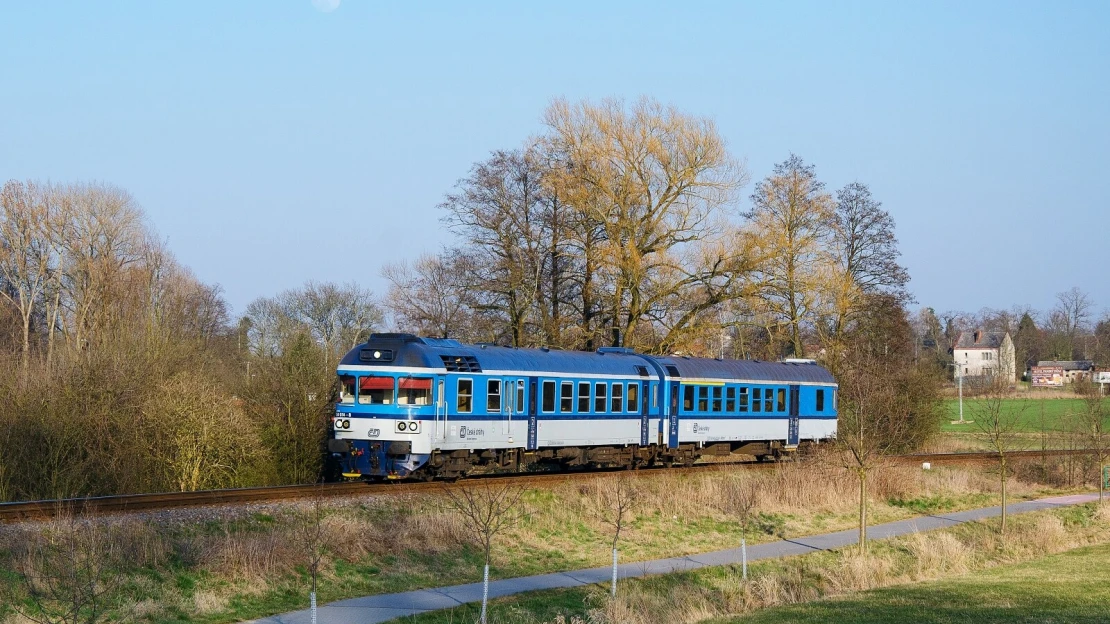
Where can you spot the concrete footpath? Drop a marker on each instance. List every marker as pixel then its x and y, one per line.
pixel 385 607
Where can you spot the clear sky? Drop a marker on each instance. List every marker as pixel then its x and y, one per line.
pixel 272 142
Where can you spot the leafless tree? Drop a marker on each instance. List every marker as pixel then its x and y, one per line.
pixel 866 253
pixel 997 418
pixel 1068 321
pixel 1093 420
pixel 312 540
pixel 66 573
pixel 433 296
pixel 499 209
pixel 654 182
pixel 741 499
pixel 25 260
pixel 887 404
pixel 793 214
pixel 616 498
pixel 488 509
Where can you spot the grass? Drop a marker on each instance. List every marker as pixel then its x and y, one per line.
pixel 1034 415
pixel 249 567
pixel 841 586
pixel 1071 587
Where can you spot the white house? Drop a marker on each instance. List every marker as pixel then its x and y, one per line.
pixel 985 354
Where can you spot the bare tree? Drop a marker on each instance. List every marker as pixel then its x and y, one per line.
pixel 66 573
pixel 1093 421
pixel 741 499
pixel 25 258
pixel 793 215
pixel 338 316
pixel 312 539
pixel 499 209
pixel 1069 320
pixel 433 295
pixel 866 253
pixel 887 404
pixel 615 501
pixel 654 181
pixel 488 509
pixel 998 419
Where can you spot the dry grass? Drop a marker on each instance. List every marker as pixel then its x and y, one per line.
pixel 713 593
pixel 403 542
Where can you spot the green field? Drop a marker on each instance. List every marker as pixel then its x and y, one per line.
pixel 1033 415
pixel 1072 587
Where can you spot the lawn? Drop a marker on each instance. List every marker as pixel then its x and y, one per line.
pixel 1072 587
pixel 1033 415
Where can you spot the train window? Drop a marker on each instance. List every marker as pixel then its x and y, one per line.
pixel 599 397
pixel 688 398
pixel 717 398
pixel 782 400
pixel 519 396
pixel 743 400
pixel 465 396
pixel 757 400
pixel 634 398
pixel 347 389
pixel 820 400
pixel 703 398
pixel 566 397
pixel 617 398
pixel 375 390
pixel 730 399
pixel 583 397
pixel 414 391
pixel 493 395
pixel 548 395
pixel 768 400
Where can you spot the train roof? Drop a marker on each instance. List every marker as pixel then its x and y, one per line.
pixel 407 350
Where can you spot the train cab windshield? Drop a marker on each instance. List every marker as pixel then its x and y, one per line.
pixel 347 389
pixel 375 390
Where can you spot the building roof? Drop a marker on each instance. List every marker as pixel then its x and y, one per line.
pixel 980 339
pixel 1083 365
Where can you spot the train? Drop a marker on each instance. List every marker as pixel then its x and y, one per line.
pixel 419 407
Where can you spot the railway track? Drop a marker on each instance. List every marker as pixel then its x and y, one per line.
pixel 130 503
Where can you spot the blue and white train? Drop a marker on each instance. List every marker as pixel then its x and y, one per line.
pixel 412 406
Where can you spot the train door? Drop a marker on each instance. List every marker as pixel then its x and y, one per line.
pixel 792 429
pixel 507 405
pixel 441 411
pixel 645 405
pixel 533 426
pixel 672 438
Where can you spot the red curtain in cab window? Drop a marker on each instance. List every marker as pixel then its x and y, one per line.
pixel 375 383
pixel 416 384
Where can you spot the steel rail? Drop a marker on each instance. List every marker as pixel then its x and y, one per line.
pixel 131 503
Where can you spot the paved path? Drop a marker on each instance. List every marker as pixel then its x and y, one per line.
pixel 384 607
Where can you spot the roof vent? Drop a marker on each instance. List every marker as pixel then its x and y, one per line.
pixel 672 370
pixel 604 350
pixel 461 363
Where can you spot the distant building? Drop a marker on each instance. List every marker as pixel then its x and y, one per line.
pixel 985 354
pixel 1072 369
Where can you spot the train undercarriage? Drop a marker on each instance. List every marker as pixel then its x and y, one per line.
pixel 461 463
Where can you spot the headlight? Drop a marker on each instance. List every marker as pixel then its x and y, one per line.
pixel 402 426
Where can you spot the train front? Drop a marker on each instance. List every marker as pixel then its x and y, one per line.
pixel 384 412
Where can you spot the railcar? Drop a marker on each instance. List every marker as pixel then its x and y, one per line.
pixel 428 407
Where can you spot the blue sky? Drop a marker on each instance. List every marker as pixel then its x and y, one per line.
pixel 271 142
